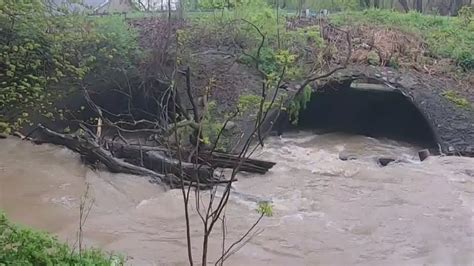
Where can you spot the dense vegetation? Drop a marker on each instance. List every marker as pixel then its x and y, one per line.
pixel 23 246
pixel 451 37
pixel 44 57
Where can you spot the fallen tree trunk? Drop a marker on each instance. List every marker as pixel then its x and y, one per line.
pixel 155 162
pixel 224 160
pixel 216 160
pixel 92 151
pixel 160 159
pixel 123 150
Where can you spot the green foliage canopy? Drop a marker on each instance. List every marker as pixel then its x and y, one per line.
pixel 44 55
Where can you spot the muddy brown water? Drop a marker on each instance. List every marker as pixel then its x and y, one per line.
pixel 326 211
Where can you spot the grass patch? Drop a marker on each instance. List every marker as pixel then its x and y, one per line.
pixel 459 101
pixel 447 37
pixel 23 246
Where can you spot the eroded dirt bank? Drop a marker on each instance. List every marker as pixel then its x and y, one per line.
pixel 326 211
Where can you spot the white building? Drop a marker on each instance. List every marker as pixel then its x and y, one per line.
pixel 155 5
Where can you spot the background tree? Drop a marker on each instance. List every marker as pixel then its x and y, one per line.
pixel 404 5
pixel 376 3
pixel 456 5
pixel 419 6
pixel 364 3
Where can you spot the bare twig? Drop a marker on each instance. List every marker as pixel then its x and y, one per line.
pixel 84 211
pixel 224 256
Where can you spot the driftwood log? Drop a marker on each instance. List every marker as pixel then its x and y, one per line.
pixel 214 160
pixel 224 160
pixel 160 160
pixel 92 151
pixel 155 162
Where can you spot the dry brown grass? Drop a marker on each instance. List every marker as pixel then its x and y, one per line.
pixel 389 44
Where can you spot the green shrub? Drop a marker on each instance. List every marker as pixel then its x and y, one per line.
pixel 299 104
pixel 23 246
pixel 210 124
pixel 466 14
pixel 249 104
pixel 44 56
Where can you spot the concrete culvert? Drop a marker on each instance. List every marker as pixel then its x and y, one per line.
pixel 367 109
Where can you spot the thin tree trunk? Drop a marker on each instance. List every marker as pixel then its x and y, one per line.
pixel 204 245
pixel 180 10
pixel 419 6
pixel 404 4
pixel 300 7
pixel 278 22
pixel 376 3
pixel 456 5
pixel 169 15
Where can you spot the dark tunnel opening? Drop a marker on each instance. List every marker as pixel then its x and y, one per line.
pixel 370 112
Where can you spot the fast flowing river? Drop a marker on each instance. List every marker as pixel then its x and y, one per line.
pixel 325 211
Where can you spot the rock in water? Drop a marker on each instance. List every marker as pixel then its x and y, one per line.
pixel 3 136
pixel 384 161
pixel 343 156
pixel 423 154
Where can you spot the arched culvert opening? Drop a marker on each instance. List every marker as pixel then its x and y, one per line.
pixel 366 109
